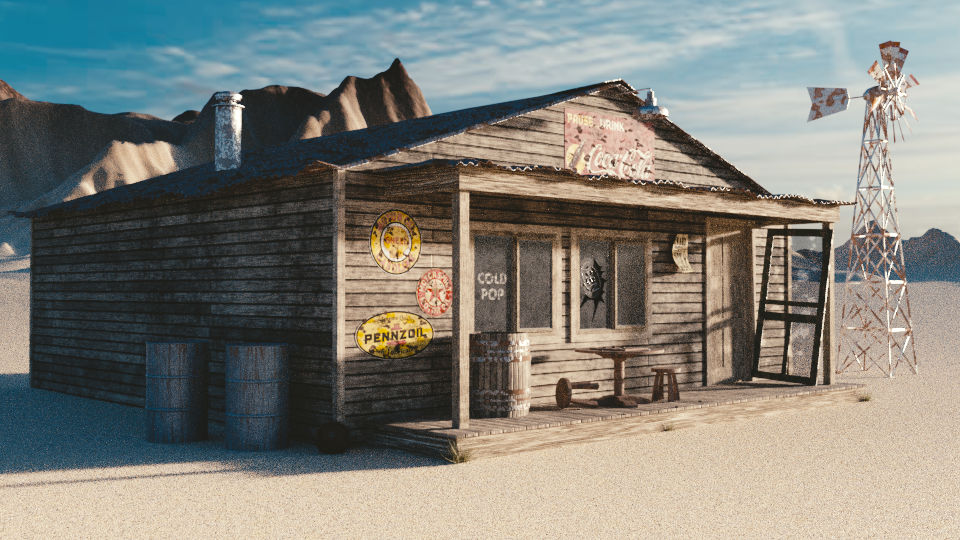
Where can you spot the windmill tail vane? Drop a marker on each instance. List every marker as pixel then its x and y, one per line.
pixel 875 325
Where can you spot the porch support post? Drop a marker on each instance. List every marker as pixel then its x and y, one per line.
pixel 462 309
pixel 339 296
pixel 827 264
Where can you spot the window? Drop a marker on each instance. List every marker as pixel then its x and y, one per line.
pixel 609 284
pixel 518 279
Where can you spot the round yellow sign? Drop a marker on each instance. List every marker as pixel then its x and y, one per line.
pixel 395 242
pixel 394 335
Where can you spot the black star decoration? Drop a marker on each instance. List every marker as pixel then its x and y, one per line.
pixel 591 284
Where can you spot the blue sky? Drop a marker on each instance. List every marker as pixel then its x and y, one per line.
pixel 733 74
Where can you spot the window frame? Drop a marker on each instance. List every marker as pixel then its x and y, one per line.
pixel 518 233
pixel 614 330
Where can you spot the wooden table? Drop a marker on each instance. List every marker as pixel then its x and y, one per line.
pixel 619 356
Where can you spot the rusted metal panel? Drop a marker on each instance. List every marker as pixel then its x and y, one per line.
pixel 619 147
pixel 827 101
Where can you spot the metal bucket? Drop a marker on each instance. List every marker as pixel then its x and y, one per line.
pixel 257 397
pixel 176 392
pixel 499 375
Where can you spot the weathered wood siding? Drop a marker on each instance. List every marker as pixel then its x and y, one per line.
pixel 251 264
pixel 420 385
pixel 415 385
pixel 677 300
pixel 536 138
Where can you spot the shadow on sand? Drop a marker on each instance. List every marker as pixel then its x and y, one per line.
pixel 45 431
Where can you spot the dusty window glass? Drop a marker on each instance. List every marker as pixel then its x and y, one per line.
pixel 492 260
pixel 536 284
pixel 631 284
pixel 594 276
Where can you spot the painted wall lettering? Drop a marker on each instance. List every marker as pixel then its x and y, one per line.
pixel 596 144
pixel 394 335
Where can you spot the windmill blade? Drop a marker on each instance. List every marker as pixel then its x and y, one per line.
pixel 893 57
pixel 876 71
pixel 827 101
pixel 911 81
pixel 909 110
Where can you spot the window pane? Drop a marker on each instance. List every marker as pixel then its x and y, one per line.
pixel 631 284
pixel 594 289
pixel 492 255
pixel 536 281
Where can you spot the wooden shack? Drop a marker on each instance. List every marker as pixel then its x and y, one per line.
pixel 499 209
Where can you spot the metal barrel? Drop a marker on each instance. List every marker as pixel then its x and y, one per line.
pixel 176 392
pixel 499 375
pixel 257 397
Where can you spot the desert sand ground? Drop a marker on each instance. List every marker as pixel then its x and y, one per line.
pixel 888 468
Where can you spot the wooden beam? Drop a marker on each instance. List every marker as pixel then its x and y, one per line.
pixel 462 309
pixel 826 265
pixel 338 404
pixel 622 193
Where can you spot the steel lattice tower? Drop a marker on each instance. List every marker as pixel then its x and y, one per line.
pixel 875 325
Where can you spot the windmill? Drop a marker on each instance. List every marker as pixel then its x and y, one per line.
pixel 875 323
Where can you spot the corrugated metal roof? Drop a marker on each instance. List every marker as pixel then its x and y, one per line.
pixel 342 150
pixel 353 148
pixel 567 172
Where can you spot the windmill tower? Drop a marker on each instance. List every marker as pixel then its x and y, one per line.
pixel 875 323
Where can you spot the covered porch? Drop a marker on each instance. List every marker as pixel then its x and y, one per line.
pixel 726 327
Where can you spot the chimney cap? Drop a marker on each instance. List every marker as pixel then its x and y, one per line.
pixel 228 98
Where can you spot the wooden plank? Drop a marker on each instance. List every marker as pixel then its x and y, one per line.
pixel 303 201
pixel 546 186
pixel 338 279
pixel 320 245
pixel 829 355
pixel 577 433
pixel 462 307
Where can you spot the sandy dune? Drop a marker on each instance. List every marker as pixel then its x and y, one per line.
pixel 888 468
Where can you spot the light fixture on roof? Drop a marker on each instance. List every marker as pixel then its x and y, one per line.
pixel 650 110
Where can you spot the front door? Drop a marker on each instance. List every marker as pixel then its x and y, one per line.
pixel 728 263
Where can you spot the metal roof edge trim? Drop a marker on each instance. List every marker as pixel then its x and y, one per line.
pixel 567 172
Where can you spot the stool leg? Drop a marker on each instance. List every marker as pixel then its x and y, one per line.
pixel 674 389
pixel 658 387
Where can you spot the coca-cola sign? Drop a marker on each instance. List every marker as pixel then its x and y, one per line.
pixel 614 146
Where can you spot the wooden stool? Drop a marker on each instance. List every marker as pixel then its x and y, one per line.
pixel 674 390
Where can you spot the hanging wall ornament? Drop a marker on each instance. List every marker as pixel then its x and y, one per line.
pixel 591 282
pixel 680 254
pixel 395 242
pixel 434 292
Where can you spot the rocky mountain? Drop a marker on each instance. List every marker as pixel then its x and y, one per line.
pixel 51 152
pixel 935 256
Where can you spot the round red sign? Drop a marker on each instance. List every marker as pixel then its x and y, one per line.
pixel 434 292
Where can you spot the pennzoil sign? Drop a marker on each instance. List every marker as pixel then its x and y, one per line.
pixel 614 146
pixel 394 335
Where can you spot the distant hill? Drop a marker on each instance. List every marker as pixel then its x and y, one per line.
pixel 935 256
pixel 51 152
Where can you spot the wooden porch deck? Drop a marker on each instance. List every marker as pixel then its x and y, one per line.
pixel 546 427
